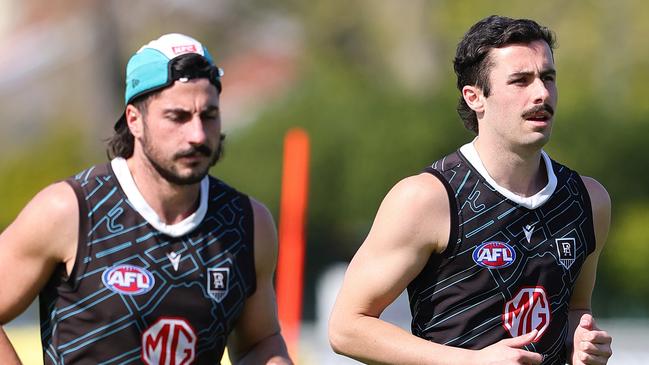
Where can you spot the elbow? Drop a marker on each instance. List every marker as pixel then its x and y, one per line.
pixel 336 341
pixel 340 336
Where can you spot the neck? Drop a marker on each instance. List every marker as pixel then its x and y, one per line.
pixel 519 170
pixel 171 202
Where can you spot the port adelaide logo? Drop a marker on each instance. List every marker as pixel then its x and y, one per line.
pixel 566 251
pixel 128 279
pixel 217 282
pixel 494 255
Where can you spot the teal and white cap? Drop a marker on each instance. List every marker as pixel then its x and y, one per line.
pixel 149 69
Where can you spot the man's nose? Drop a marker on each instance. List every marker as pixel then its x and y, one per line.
pixel 195 131
pixel 542 92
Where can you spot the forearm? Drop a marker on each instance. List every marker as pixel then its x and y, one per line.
pixel 7 352
pixel 270 351
pixel 374 341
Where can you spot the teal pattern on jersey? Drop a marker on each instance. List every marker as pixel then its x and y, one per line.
pixel 105 313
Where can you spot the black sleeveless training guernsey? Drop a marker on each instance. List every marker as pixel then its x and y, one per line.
pixel 145 292
pixel 511 262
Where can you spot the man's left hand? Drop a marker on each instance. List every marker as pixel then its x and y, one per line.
pixel 592 346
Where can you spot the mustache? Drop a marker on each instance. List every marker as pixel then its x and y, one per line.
pixel 536 109
pixel 195 150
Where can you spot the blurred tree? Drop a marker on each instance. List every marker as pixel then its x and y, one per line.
pixel 369 129
pixel 623 281
pixel 55 157
pixel 376 93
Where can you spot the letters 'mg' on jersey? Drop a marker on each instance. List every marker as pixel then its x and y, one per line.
pixel 169 341
pixel 526 311
pixel 503 263
pixel 137 295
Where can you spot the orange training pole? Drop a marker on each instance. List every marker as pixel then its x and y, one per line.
pixel 290 265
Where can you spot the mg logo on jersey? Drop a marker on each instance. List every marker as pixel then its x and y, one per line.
pixel 566 251
pixel 169 341
pixel 528 310
pixel 128 279
pixel 217 282
pixel 494 255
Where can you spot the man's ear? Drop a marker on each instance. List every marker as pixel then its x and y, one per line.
pixel 134 120
pixel 474 98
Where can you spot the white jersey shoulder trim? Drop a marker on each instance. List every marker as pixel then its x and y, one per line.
pixel 185 226
pixel 530 202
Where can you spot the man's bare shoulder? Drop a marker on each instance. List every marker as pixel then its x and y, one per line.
pixel 416 210
pixel 261 212
pixel 42 236
pixel 265 237
pixel 423 193
pixel 265 231
pixel 48 224
pixel 57 201
pixel 598 195
pixel 59 197
pixel 599 198
pixel 600 203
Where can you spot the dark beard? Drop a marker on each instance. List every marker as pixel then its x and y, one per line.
pixel 173 178
pixel 194 178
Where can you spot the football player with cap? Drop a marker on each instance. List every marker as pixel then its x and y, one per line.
pixel 148 258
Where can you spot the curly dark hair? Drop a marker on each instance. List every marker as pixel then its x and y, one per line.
pixel 472 63
pixel 191 65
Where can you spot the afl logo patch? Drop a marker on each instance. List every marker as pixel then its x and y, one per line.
pixel 494 255
pixel 128 279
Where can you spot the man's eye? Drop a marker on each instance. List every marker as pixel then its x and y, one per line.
pixel 210 116
pixel 176 117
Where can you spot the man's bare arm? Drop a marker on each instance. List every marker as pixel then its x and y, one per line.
pixel 257 338
pixel 412 224
pixel 43 235
pixel 587 343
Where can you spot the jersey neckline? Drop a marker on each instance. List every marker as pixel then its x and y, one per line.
pixel 125 179
pixel 530 202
